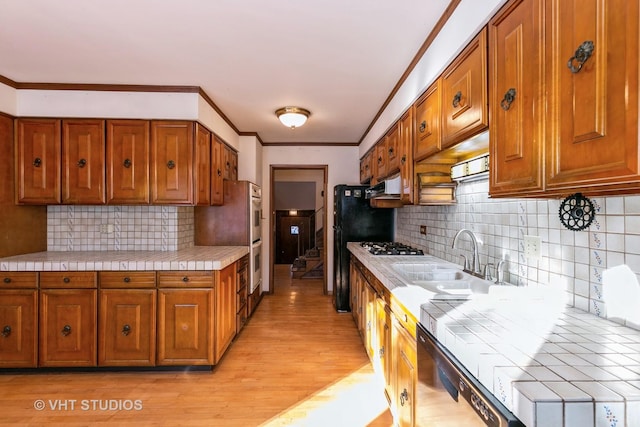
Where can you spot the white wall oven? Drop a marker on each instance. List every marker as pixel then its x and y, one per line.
pixel 255 263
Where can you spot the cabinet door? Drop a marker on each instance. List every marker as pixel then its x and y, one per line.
pixel 234 165
pixel 380 160
pixel 383 341
pixel 38 161
pixel 516 58
pixel 405 363
pixel 427 123
pixel 393 150
pixel 203 166
pixel 128 161
pixel 365 168
pixel 593 127
pixel 226 153
pixel 406 156
pixel 464 93
pixel 172 162
pixel 18 328
pixel 354 292
pixel 225 324
pixel 185 327
pixel 217 171
pixel 83 162
pixel 127 321
pixel 370 320
pixel 68 327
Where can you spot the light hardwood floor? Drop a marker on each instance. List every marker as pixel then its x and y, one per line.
pixel 296 363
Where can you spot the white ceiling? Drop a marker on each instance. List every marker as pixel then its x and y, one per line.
pixel 338 58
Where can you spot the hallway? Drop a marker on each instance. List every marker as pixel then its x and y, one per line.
pixel 296 363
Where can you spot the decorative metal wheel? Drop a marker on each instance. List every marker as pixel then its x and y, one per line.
pixel 577 212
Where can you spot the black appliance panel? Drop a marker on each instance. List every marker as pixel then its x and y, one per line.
pixel 354 220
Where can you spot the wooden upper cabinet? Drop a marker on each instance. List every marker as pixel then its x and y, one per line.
pixel 393 150
pixel 172 162
pixel 128 161
pixel 226 163
pixel 217 171
pixel 516 58
pixel 405 131
pixel 593 108
pixel 427 123
pixel 83 162
pixel 202 166
pixel 380 160
pixel 464 93
pixel 365 168
pixel 235 164
pixel 38 152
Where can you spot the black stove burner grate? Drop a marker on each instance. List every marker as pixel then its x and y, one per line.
pixel 391 248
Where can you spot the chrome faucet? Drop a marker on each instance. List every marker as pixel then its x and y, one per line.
pixel 475 261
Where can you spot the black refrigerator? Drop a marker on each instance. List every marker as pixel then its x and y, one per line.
pixel 354 220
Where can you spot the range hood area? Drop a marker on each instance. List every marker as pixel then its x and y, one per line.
pixel 438 176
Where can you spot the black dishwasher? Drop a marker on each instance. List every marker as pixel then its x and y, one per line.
pixel 447 395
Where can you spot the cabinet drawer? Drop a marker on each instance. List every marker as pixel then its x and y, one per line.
pixel 241 319
pixel 185 279
pixel 405 319
pixel 241 299
pixel 68 279
pixel 128 279
pixel 12 280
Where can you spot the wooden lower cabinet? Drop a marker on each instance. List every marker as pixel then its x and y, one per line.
pixel 185 326
pixel 404 375
pixel 384 348
pixel 68 319
pixel 225 309
pixel 18 328
pixel 127 327
pixel 121 318
pixel 388 333
pixel 242 285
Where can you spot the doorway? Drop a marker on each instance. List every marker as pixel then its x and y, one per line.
pixel 298 221
pixel 293 234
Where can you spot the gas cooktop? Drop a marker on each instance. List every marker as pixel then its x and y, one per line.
pixel 390 248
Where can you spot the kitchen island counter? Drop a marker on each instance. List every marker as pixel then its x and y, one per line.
pixel 193 258
pixel 551 365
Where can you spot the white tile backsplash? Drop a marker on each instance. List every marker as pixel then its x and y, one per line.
pixel 119 228
pixel 571 260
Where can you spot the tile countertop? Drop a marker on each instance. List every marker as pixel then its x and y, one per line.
pixel 549 364
pixel 194 258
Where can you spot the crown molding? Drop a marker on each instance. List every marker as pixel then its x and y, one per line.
pixel 429 40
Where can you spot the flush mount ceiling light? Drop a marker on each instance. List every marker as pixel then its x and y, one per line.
pixel 292 117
